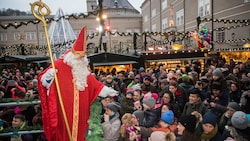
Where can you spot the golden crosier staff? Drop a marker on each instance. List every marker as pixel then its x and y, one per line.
pixel 41 17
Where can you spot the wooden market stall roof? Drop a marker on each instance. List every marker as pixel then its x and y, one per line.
pixel 108 59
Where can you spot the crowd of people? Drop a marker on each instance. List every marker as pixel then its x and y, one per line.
pixel 153 104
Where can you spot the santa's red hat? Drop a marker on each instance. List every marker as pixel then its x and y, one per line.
pixel 79 47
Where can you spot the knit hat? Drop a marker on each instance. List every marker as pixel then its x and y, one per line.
pixel 189 122
pixel 136 87
pixel 233 105
pixel 210 118
pixel 150 102
pixel 218 72
pixel 193 74
pixel 204 79
pixel 79 47
pixel 147 77
pixel 137 77
pixel 239 120
pixel 141 69
pixel 168 117
pixel 129 92
pixel 155 96
pixel 139 115
pixel 216 86
pixel 114 106
pixel 157 136
pixel 185 78
pixel 131 73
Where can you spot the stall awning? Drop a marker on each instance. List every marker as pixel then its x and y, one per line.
pixel 27 57
pixel 114 63
pixel 42 61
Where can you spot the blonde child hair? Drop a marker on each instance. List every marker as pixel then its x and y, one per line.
pixel 170 137
pixel 126 121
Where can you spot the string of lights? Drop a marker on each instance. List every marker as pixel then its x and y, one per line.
pixel 49 20
pixel 231 27
pixel 225 20
pixel 233 41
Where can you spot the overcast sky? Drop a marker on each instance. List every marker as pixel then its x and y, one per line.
pixel 68 6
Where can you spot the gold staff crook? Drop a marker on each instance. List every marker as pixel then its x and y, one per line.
pixel 40 17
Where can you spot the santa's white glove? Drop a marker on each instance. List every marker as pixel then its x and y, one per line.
pixel 48 78
pixel 107 91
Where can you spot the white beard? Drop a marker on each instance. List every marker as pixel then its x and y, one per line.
pixel 80 69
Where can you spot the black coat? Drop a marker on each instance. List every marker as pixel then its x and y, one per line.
pixel 150 118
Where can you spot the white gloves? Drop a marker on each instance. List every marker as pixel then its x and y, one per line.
pixel 107 91
pixel 48 78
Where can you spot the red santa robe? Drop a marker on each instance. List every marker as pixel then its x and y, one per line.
pixel 53 121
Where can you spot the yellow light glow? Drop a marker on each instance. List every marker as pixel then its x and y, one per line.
pixel 177 46
pixel 104 16
pixel 150 48
pixel 247 45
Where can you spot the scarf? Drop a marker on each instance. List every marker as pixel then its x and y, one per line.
pixel 211 134
pixel 112 116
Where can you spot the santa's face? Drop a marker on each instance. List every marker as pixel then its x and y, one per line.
pixel 80 70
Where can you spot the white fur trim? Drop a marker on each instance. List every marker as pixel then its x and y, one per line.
pixel 107 91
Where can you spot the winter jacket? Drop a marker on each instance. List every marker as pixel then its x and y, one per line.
pixel 150 118
pixel 127 105
pixel 189 108
pixel 111 129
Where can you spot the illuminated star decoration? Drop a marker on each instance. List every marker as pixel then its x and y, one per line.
pixel 21 36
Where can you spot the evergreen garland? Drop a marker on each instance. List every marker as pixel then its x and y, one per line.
pixel 95 131
pixel 28 99
pixel 26 128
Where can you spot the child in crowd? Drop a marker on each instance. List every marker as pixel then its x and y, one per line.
pixel 18 123
pixel 154 96
pixel 150 114
pixel 166 123
pixel 225 119
pixel 112 123
pixel 161 136
pixel 240 128
pixel 135 135
pixel 165 126
pixel 127 127
pixel 170 137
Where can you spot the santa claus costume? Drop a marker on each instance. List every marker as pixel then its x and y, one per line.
pixel 78 89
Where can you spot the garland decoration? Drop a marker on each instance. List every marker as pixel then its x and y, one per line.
pixel 226 20
pixel 95 131
pixel 7 100
pixel 48 20
pixel 26 128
